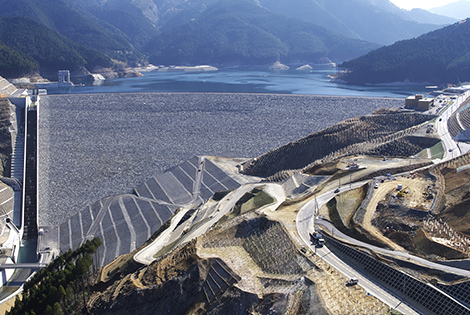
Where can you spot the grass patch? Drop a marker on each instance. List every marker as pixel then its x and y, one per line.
pixel 423 154
pixel 166 249
pixel 120 266
pixel 437 151
pixel 334 215
pixel 259 199
pixel 250 201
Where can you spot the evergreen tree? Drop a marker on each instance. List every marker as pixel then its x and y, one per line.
pixel 57 310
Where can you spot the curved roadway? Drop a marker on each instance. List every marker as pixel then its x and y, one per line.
pixel 147 255
pixel 306 225
pixel 451 148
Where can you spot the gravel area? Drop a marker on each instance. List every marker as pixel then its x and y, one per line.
pixel 96 145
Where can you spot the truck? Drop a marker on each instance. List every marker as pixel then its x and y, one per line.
pixel 318 240
pixel 352 281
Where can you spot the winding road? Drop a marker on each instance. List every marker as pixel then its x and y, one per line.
pixel 306 225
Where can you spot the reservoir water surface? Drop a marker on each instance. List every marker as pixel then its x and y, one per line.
pixel 242 81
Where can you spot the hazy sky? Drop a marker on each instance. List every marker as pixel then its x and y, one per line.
pixel 423 4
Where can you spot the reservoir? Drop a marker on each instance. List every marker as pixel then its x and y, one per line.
pixel 242 81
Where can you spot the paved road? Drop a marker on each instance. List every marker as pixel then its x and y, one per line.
pixel 305 226
pixel 13 286
pixel 146 255
pixel 441 123
pixel 403 255
pixel 34 266
pixel 368 285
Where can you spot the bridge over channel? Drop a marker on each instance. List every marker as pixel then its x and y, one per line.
pixel 33 266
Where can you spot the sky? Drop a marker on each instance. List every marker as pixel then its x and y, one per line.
pixel 423 4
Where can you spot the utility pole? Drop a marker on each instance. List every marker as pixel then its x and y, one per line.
pixel 315 213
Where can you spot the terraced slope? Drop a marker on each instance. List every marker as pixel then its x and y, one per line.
pixel 353 135
pixel 125 222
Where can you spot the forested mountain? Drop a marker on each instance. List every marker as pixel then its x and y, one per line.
pixel 437 57
pixel 74 23
pixel 457 10
pixel 243 33
pixel 134 25
pixel 377 21
pixel 220 31
pixel 371 20
pixel 33 46
pixel 423 16
pixel 15 64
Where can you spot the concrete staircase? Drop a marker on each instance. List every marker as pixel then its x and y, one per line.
pixel 17 157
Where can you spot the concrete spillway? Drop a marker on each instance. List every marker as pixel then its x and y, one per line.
pixel 30 184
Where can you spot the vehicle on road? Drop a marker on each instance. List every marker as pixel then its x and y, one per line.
pixel 317 239
pixel 336 190
pixel 352 281
pixel 376 185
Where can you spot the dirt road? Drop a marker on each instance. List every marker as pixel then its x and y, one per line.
pixel 413 199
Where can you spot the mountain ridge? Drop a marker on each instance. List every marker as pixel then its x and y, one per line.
pixel 50 50
pixel 437 57
pixel 172 32
pixel 458 10
pixel 259 37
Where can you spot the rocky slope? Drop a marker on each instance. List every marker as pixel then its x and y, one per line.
pixel 201 277
pixel 383 133
pixel 5 137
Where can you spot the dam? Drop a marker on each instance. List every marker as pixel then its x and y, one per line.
pixel 118 166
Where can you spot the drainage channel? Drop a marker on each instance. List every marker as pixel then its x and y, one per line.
pixel 30 184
